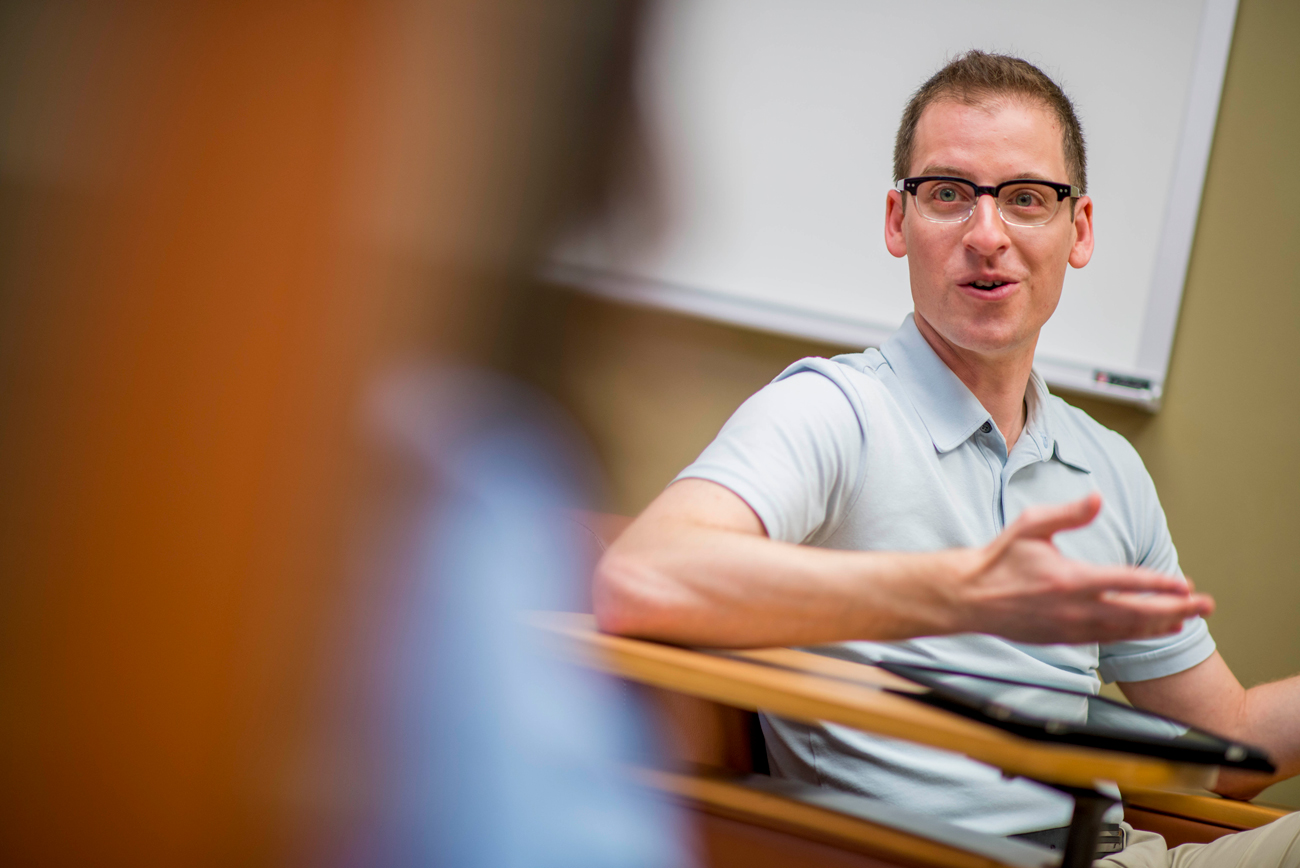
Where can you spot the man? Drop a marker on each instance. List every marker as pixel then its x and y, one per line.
pixel 930 502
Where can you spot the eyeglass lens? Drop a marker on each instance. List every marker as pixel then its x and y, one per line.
pixel 1025 204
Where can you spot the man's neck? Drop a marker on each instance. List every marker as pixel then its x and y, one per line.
pixel 998 383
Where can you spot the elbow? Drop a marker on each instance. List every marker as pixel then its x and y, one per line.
pixel 1239 785
pixel 621 596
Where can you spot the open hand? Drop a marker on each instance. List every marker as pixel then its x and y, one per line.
pixel 1021 587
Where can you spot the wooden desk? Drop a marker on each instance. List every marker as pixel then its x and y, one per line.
pixel 811 687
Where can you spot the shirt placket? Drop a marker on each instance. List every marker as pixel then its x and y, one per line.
pixel 1029 450
pixel 1004 467
pixel 993 449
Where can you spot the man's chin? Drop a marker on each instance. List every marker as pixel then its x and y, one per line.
pixel 988 340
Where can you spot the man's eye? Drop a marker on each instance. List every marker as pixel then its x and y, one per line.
pixel 948 195
pixel 1026 199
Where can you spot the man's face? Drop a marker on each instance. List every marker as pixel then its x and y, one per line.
pixel 952 264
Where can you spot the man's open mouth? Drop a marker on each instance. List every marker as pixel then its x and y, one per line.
pixel 988 284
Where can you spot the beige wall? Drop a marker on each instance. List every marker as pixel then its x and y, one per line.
pixel 653 388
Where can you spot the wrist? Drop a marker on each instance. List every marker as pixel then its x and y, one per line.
pixel 954 573
pixel 931 592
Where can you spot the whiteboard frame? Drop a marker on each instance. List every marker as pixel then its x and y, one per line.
pixel 1160 319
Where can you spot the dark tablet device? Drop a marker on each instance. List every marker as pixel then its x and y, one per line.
pixel 1069 717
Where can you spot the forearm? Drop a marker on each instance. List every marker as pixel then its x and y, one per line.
pixel 697 568
pixel 711 586
pixel 1270 720
pixel 1209 696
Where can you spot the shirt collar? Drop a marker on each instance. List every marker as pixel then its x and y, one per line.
pixel 951 413
pixel 1054 431
pixel 947 408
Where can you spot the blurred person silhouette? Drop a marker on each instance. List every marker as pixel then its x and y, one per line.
pixel 267 512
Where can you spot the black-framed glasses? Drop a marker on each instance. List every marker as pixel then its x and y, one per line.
pixel 1021 202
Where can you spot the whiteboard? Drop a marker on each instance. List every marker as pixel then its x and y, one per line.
pixel 770 126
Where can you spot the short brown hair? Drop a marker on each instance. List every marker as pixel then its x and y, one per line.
pixel 975 78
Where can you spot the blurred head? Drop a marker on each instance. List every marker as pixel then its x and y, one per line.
pixel 220 220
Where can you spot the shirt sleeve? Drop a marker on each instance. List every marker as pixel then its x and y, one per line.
pixel 1145 659
pixel 793 452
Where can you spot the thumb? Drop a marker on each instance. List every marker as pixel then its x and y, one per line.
pixel 1040 522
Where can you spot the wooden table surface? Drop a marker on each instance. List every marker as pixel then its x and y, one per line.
pixel 812 687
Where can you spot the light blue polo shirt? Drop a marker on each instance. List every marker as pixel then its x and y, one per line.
pixel 888 450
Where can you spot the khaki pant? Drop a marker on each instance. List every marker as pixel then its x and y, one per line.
pixel 1276 845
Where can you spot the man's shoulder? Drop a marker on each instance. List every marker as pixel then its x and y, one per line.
pixel 856 375
pixel 865 364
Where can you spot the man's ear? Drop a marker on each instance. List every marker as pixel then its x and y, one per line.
pixel 1081 250
pixel 894 238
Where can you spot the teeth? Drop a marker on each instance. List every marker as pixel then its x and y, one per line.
pixel 987 284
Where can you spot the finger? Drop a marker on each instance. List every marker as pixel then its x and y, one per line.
pixel 1129 616
pixel 1133 580
pixel 1193 604
pixel 1159 608
pixel 1040 522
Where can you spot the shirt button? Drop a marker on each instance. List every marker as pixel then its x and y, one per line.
pixel 986 427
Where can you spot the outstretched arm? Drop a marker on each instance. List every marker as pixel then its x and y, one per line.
pixel 1209 696
pixel 697 568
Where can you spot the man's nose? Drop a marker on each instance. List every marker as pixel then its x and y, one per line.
pixel 986 234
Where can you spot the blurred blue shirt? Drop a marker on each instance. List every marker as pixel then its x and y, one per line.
pixel 499 755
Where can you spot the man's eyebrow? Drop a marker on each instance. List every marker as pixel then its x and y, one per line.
pixel 1028 175
pixel 943 170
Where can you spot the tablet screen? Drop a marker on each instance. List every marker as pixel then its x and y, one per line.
pixel 1054 714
